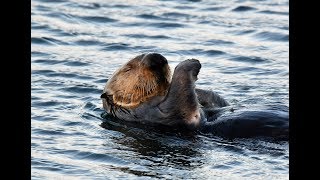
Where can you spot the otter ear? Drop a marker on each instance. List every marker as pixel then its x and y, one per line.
pixel 104 95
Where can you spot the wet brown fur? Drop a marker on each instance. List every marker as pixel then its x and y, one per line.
pixel 135 82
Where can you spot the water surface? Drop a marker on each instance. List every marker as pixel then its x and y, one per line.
pixel 77 44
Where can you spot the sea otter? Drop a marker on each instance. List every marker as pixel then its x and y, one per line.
pixel 143 91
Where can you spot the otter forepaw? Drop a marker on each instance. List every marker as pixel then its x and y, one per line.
pixel 190 65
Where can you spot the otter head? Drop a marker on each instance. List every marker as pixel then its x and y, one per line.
pixel 141 78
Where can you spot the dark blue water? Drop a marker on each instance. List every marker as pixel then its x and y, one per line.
pixel 77 44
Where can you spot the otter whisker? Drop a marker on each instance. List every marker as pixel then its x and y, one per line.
pixel 124 110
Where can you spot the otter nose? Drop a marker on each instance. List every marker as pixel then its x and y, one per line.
pixel 154 60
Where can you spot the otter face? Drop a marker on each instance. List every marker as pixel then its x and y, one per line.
pixel 141 78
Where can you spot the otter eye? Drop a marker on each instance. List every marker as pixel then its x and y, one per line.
pixel 127 68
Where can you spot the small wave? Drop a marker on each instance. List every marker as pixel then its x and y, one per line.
pixel 251 59
pixel 87 6
pixel 116 47
pixel 166 25
pixel 265 72
pixel 121 6
pixel 214 8
pixel 243 8
pixel 274 12
pixel 234 148
pixel 139 36
pixel 49 165
pixel 42 41
pixel 47 61
pixel 272 36
pixel 99 157
pixel 233 163
pixel 45 71
pixel 243 32
pixel 89 116
pixel 176 15
pixel 101 81
pixel 142 49
pixel 284 27
pixel 62 16
pixel 89 106
pixel 184 7
pixel 218 42
pixel 76 63
pixel 42 8
pixel 37 53
pixel 272 162
pixel 53 62
pixel 49 132
pixel 149 16
pixel 50 73
pixel 44 118
pixel 46 103
pixel 47 41
pixel 243 88
pixel 38 26
pixel 73 124
pixel 88 43
pixel 81 89
pixel 34 98
pixel 239 70
pixel 221 167
pixel 98 19
pixel 198 52
pixel 214 52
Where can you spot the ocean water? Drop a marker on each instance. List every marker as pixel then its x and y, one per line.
pixel 77 44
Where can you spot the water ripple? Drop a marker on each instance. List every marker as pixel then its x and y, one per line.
pixel 218 42
pixel 98 19
pixel 88 43
pixel 76 63
pixel 47 41
pixel 166 25
pixel 243 8
pixel 274 12
pixel 252 59
pixel 45 61
pixel 50 73
pixel 273 36
pixel 140 36
pixel 197 52
pixel 44 118
pixel 176 15
pixel 87 6
pixel 116 47
pixel 81 89
pixel 214 8
pixel 149 16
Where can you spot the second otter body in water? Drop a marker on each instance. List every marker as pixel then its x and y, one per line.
pixel 142 91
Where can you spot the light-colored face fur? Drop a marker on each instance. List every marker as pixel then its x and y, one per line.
pixel 138 80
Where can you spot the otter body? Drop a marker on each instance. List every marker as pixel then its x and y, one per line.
pixel 150 96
